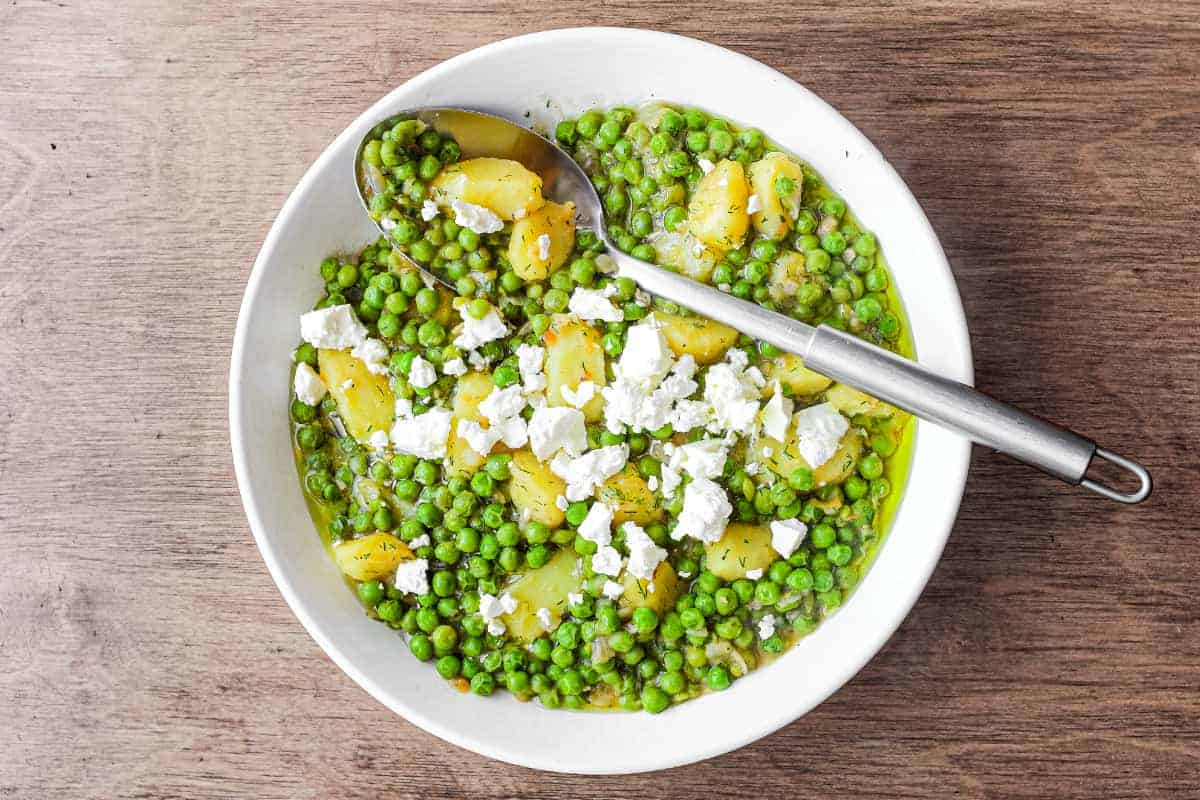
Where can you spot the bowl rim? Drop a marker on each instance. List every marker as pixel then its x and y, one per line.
pixel 955 464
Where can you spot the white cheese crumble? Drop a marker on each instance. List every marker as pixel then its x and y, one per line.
pixel 731 391
pixel 347 384
pixel 424 436
pixel 403 408
pixel 502 403
pixel 476 332
pixel 644 554
pixel 421 373
pixel 647 356
pixel 310 389
pixel 593 304
pixel 478 218
pixel 412 576
pixel 706 166
pixel 529 364
pixel 670 480
pixel 753 205
pixel 332 328
pixel 612 590
pixel 585 473
pixel 455 367
pixel 544 617
pixel 374 354
pixel 776 415
pixel 652 483
pixel 819 429
pixel 597 525
pixel 478 438
pixel 754 574
pixel 606 561
pixel 491 608
pixel 378 440
pixel 543 245
pixel 766 627
pixel 702 459
pixel 786 536
pixel 706 509
pixel 581 396
pixel 429 210
pixel 555 428
pixel 421 541
pixel 574 598
pixel 562 503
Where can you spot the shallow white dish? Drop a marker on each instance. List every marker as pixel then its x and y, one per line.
pixel 570 70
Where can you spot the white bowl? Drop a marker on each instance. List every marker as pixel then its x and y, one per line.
pixel 577 68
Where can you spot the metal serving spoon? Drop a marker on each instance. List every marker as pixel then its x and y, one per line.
pixel 833 353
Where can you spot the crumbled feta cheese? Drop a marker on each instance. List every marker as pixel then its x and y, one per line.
pixel 424 436
pixel 652 483
pixel 496 627
pixel 429 210
pixel 333 328
pixel 690 414
pixel 455 366
pixel 529 364
pixel 574 598
pixel 786 536
pixel 670 480
pixel 706 509
pixel 378 440
pixel 562 503
pixel 555 428
pixel 754 574
pixel 606 561
pixel 706 166
pixel 476 332
pixel 752 468
pixel 374 354
pixel 612 590
pixel 347 384
pixel 585 473
pixel 753 205
pixel 502 403
pixel 412 576
pixel 513 432
pixel 647 356
pixel 543 245
pixel 776 414
pixel 819 429
pixel 644 554
pixel 593 304
pixel 581 396
pixel 766 627
pixel 421 541
pixel 491 608
pixel 403 407
pixel 478 218
pixel 597 525
pixel 310 389
pixel 544 617
pixel 702 459
pixel 477 360
pixel 731 393
pixel 479 438
pixel 421 373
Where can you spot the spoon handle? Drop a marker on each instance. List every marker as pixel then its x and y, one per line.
pixel 905 384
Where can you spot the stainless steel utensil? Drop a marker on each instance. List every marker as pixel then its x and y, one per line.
pixel 1057 451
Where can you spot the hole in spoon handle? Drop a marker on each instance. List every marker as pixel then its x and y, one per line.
pixel 1145 484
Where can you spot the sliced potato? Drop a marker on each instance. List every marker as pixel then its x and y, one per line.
pixel 785 457
pixel 791 372
pixel 574 355
pixel 852 402
pixel 545 587
pixel 554 221
pixel 631 500
pixel 535 488
pixel 366 404
pixel 705 339
pixel 717 214
pixel 680 250
pixel 742 548
pixel 787 273
pixel 505 186
pixel 658 594
pixel 776 214
pixel 371 557
pixel 470 391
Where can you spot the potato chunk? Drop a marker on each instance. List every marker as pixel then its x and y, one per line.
pixel 364 400
pixel 785 457
pixel 504 186
pixel 680 250
pixel 532 257
pixel 658 594
pixel 742 548
pixel 791 372
pixel 705 339
pixel 371 557
pixel 775 215
pixel 534 488
pixel 470 391
pixel 717 214
pixel 545 587
pixel 574 355
pixel 852 402
pixel 787 274
pixel 631 500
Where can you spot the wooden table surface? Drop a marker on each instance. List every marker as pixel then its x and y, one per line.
pixel 145 148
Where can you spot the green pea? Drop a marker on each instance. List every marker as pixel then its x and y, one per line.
pixel 833 207
pixel 833 242
pixel 817 261
pixel 371 592
pixel 697 141
pixel 654 700
pixel 871 466
pixel 868 309
pixel 645 619
pixel 718 678
pixel 767 592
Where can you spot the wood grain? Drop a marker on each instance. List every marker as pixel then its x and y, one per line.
pixel 146 146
